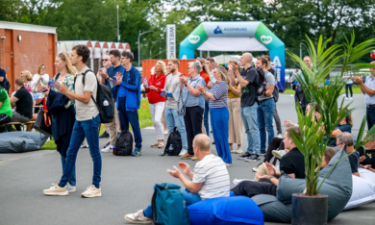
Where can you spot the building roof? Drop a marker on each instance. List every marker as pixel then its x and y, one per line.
pixel 27 27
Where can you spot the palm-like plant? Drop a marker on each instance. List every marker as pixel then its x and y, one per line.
pixel 311 142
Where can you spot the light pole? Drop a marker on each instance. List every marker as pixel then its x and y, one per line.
pixel 139 45
pixel 208 18
pixel 118 27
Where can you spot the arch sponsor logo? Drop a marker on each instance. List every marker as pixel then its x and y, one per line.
pixel 218 30
pixel 266 39
pixel 276 61
pixel 194 39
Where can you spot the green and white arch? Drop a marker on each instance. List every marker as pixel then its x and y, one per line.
pixel 235 37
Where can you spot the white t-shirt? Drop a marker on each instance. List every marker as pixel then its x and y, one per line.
pixel 86 111
pixel 171 84
pixel 36 81
pixel 212 171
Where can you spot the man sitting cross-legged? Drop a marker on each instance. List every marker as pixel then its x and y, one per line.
pixel 292 164
pixel 209 180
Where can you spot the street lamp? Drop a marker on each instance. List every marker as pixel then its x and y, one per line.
pixel 139 45
pixel 208 8
pixel 208 18
pixel 118 27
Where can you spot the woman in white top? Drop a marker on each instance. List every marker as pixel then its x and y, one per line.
pixel 41 78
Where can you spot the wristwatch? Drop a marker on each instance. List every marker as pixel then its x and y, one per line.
pixel 186 85
pixel 269 179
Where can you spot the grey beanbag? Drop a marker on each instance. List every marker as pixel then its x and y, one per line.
pixel 338 186
pixel 21 141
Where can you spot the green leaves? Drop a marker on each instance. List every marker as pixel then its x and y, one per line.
pixel 312 142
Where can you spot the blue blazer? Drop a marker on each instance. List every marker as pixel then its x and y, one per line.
pixel 131 81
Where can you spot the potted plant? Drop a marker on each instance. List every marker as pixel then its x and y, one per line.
pixel 310 207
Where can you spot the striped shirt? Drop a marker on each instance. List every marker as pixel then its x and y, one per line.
pixel 213 173
pixel 220 92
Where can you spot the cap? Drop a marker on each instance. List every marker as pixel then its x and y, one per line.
pixel 2 73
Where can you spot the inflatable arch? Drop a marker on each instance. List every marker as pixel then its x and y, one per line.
pixel 236 37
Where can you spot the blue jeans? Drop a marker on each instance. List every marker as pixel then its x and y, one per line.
pixel 190 199
pixel 205 117
pixel 129 116
pixel 72 178
pixel 370 117
pixel 174 120
pixel 265 121
pixel 220 129
pixel 250 121
pixel 88 129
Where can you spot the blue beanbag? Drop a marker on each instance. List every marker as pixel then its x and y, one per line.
pixel 238 210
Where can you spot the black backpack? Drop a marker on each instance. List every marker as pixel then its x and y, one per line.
pixel 124 144
pixel 261 85
pixel 103 93
pixel 275 93
pixel 174 143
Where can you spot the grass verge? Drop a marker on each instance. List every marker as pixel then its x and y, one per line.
pixel 145 120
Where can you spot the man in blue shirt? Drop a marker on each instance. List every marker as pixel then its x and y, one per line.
pixel 108 77
pixel 128 90
pixel 368 89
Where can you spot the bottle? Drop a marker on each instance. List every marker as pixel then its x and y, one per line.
pixel 106 107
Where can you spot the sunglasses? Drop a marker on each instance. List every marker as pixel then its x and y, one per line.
pixel 104 60
pixel 21 75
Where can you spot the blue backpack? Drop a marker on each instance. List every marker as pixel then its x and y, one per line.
pixel 169 206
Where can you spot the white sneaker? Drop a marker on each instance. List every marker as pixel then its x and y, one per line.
pixel 278 154
pixel 279 135
pixel 70 188
pixel 346 98
pixel 183 152
pixel 108 149
pixel 166 132
pixel 56 190
pixel 138 218
pixel 238 151
pixel 84 144
pixel 92 192
pixel 350 98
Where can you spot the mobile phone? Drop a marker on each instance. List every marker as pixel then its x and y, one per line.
pixel 51 82
pixel 146 82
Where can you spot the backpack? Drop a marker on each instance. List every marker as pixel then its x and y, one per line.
pixel 169 206
pixel 124 144
pixel 174 143
pixel 104 100
pixel 262 86
pixel 275 93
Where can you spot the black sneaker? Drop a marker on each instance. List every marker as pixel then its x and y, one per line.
pixel 262 152
pixel 104 135
pixel 245 156
pixel 255 158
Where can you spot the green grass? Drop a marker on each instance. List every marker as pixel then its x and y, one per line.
pixel 356 90
pixel 145 120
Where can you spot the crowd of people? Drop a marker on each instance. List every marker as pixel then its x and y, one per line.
pixel 239 96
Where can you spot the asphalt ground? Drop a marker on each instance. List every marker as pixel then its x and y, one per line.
pixel 127 182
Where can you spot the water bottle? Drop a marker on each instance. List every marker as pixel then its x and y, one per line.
pixel 106 107
pixel 114 150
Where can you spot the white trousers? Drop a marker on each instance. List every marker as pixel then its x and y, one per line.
pixel 156 114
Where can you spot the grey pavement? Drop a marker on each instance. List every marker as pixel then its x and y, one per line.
pixel 127 183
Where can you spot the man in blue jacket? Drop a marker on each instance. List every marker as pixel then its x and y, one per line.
pixel 128 88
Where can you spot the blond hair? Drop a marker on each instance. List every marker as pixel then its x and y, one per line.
pixel 40 68
pixel 202 61
pixel 175 61
pixel 223 72
pixel 162 66
pixel 69 67
pixel 27 75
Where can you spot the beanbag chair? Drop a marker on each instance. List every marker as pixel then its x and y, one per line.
pixel 367 175
pixel 238 210
pixel 21 141
pixel 338 186
pixel 363 192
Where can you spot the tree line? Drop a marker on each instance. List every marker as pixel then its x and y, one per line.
pixel 290 20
